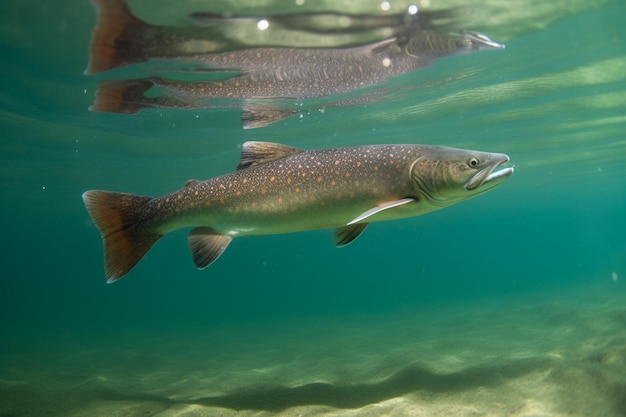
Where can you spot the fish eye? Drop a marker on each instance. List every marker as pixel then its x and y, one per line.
pixel 473 162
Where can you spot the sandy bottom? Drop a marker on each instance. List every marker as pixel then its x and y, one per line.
pixel 561 356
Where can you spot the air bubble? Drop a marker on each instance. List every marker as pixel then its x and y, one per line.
pixel 263 24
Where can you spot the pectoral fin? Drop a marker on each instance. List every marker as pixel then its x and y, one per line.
pixel 345 235
pixel 378 209
pixel 206 245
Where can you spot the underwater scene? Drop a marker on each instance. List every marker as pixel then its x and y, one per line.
pixel 313 208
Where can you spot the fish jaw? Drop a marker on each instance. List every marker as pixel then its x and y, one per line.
pixel 490 176
pixel 479 41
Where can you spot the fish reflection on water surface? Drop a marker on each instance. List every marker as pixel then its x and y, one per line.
pixel 262 80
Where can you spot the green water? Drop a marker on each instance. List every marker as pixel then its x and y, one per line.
pixel 509 304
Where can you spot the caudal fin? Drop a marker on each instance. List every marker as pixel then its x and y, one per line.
pixel 116 40
pixel 123 96
pixel 119 218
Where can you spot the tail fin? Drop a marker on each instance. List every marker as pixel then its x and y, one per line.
pixel 119 218
pixel 114 39
pixel 126 96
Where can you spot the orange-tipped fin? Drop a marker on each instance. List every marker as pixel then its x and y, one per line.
pixel 125 96
pixel 113 39
pixel 119 217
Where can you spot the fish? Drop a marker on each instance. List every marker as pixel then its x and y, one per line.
pixel 280 189
pixel 120 38
pixel 263 81
pixel 258 77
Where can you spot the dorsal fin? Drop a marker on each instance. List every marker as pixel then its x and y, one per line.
pixel 192 182
pixel 255 153
pixel 253 117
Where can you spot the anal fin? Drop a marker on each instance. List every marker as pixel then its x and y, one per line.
pixel 345 235
pixel 206 245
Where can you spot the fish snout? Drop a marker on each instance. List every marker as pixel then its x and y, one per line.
pixel 492 175
pixel 480 41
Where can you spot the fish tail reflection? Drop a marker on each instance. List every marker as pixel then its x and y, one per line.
pixel 126 96
pixel 114 40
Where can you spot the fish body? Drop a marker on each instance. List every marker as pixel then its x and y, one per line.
pixel 263 75
pixel 280 189
pixel 120 38
pixel 302 73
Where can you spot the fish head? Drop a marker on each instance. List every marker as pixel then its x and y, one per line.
pixel 476 41
pixel 445 176
pixel 436 44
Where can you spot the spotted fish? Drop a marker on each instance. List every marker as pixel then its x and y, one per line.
pixel 260 80
pixel 120 38
pixel 265 75
pixel 281 189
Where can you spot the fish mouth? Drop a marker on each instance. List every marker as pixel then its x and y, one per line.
pixel 480 40
pixel 489 177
